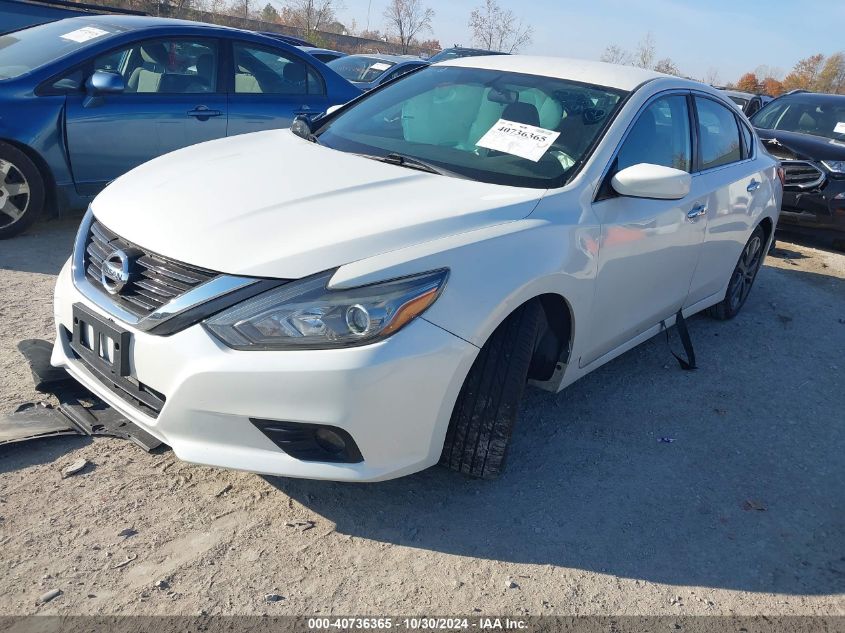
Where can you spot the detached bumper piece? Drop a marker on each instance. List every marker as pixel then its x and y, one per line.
pixel 311 442
pixel 79 411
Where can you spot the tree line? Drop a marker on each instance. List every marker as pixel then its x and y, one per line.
pixel 816 73
pixel 405 22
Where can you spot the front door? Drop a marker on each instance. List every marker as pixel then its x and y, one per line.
pixel 270 87
pixel 171 100
pixel 649 248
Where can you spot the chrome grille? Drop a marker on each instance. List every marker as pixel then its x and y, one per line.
pixel 801 174
pixel 156 280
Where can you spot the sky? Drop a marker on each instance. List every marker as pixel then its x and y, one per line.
pixel 731 36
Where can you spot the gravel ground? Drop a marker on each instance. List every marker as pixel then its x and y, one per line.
pixel 742 513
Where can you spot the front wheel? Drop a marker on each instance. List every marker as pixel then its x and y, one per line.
pixel 22 191
pixel 484 414
pixel 742 278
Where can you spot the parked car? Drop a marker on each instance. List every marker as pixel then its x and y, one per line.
pixel 458 52
pixel 289 39
pixel 369 71
pixel 806 131
pixel 748 102
pixel 325 55
pixel 86 99
pixel 487 221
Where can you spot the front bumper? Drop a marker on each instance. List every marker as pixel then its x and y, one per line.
pixel 394 398
pixel 821 208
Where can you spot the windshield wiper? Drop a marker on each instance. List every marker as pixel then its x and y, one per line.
pixel 412 163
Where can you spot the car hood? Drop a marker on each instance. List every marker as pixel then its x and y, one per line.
pixel 271 204
pixel 797 146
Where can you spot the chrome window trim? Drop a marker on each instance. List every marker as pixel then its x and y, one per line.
pixel 212 289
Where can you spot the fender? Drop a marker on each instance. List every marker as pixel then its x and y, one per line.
pixel 517 262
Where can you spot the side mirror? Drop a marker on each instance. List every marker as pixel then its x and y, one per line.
pixel 301 126
pixel 334 108
pixel 103 82
pixel 645 180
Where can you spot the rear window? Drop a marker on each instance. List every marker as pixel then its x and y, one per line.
pixel 361 69
pixel 23 51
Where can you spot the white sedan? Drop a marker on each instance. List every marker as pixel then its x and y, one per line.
pixel 362 297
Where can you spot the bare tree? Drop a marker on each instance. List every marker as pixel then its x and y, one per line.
pixel 241 9
pixel 644 55
pixel 614 54
pixel 712 76
pixel 667 66
pixel 407 18
pixel 497 29
pixel 312 15
pixel 769 72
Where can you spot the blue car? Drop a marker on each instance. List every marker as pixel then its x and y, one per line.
pixel 86 99
pixel 373 70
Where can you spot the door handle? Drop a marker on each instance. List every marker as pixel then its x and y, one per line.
pixel 752 186
pixel 696 212
pixel 203 113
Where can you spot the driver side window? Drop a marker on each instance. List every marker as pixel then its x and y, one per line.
pixel 660 136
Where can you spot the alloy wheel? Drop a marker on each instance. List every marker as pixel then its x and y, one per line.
pixel 745 272
pixel 14 194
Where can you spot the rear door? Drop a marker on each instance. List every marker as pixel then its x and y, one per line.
pixel 172 99
pixel 269 86
pixel 739 192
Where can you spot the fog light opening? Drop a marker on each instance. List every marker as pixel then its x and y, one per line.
pixel 330 441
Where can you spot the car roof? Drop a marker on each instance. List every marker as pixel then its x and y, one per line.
pixel 473 50
pixel 395 59
pixel 316 49
pixel 738 93
pixel 135 22
pixel 819 97
pixel 581 70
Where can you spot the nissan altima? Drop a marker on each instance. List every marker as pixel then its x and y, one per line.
pixel 488 222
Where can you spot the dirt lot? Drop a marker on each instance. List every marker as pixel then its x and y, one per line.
pixel 743 513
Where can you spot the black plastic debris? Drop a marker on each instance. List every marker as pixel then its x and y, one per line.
pixel 80 412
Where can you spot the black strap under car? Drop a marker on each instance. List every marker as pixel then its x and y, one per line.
pixel 688 363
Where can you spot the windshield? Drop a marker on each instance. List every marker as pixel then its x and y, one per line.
pixel 455 53
pixel 825 118
pixel 487 125
pixel 360 68
pixel 739 101
pixel 26 50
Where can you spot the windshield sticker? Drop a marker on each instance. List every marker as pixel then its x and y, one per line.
pixel 84 34
pixel 380 66
pixel 519 139
pixel 840 128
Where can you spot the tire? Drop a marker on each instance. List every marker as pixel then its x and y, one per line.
pixel 488 403
pixel 742 278
pixel 22 191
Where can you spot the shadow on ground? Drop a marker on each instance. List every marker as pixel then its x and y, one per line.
pixel 19 455
pixel 52 240
pixel 748 495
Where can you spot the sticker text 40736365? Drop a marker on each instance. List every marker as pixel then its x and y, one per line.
pixel 526 141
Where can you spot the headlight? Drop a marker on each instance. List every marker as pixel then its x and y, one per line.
pixel 306 315
pixel 835 166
